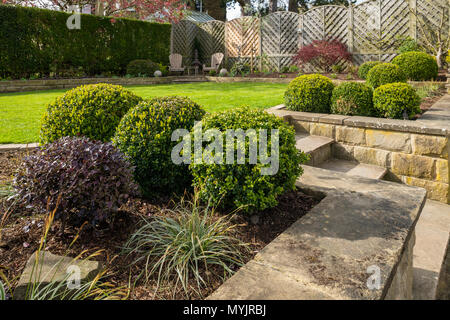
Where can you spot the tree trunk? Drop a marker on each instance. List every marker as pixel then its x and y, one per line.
pixel 439 54
pixel 215 9
pixel 273 5
pixel 244 4
pixel 293 6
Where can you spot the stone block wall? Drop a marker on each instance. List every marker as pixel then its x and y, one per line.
pixel 35 85
pixel 416 153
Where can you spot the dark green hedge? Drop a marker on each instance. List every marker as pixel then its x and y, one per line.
pixel 38 41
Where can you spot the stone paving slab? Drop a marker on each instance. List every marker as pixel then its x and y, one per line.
pixel 53 268
pixel 432 231
pixel 325 255
pixel 438 115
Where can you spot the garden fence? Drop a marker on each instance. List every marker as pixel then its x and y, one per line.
pixel 371 30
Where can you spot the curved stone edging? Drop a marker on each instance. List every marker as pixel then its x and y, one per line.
pixel 18 147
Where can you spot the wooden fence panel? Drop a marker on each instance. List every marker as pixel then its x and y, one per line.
pixel 211 38
pixel 371 30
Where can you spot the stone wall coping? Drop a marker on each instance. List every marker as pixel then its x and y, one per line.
pixel 325 255
pixel 18 147
pixel 420 127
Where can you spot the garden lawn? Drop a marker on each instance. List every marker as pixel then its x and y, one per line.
pixel 21 113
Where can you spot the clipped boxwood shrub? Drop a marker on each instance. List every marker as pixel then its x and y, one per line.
pixel 139 68
pixel 418 66
pixel 93 111
pixel 396 101
pixel 385 73
pixel 93 179
pixel 309 93
pixel 366 67
pixel 242 184
pixel 145 133
pixel 352 98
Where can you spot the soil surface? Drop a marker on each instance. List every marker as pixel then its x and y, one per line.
pixel 22 231
pixel 429 101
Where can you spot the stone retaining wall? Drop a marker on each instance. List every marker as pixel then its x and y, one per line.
pixel 415 152
pixel 33 85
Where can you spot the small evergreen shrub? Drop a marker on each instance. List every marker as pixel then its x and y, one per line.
pixel 352 99
pixel 93 180
pixel 93 111
pixel 242 184
pixel 240 68
pixel 366 67
pixel 141 68
pixel 145 133
pixel 408 45
pixel 385 73
pixel 396 101
pixel 309 93
pixel 418 66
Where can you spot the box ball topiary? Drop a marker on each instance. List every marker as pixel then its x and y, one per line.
pixel 239 183
pixel 418 66
pixel 142 67
pixel 92 179
pixel 396 101
pixel 352 99
pixel 364 69
pixel 309 93
pixel 93 111
pixel 385 73
pixel 145 133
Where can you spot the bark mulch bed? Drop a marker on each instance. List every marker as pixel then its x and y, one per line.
pixel 22 233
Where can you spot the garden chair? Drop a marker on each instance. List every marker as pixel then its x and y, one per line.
pixel 216 61
pixel 176 61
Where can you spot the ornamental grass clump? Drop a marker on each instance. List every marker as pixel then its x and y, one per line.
pixel 92 179
pixel 185 246
pixel 145 135
pixel 55 287
pixel 93 111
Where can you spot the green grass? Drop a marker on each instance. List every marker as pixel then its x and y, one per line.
pixel 20 113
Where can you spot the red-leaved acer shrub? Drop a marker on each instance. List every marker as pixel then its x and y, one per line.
pixel 323 54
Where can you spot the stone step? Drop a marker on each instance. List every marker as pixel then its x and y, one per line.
pixel 319 148
pixel 432 236
pixel 354 168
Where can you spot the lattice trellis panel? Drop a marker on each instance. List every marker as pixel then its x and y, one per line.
pixel 430 12
pixel 366 26
pixel 379 24
pixel 183 36
pixel 371 29
pixel 211 37
pixel 336 23
pixel 242 37
pixel 280 38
